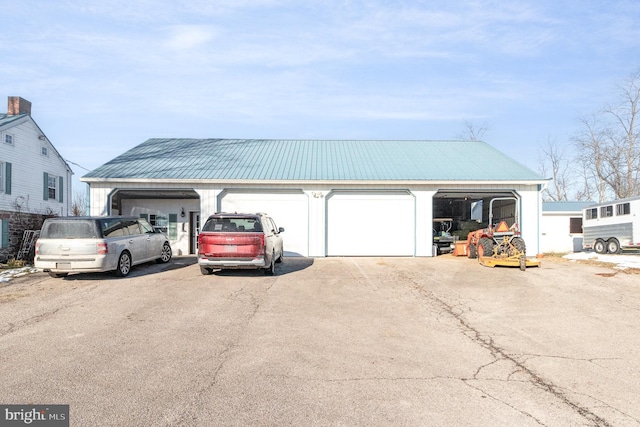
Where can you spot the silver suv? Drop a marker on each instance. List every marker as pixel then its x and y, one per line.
pixel 92 244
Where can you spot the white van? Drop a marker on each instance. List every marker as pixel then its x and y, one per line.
pixel 93 244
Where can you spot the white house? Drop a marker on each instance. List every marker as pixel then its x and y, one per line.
pixel 561 226
pixel 334 198
pixel 35 181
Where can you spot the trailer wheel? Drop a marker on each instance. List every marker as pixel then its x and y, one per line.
pixel 600 247
pixel 613 246
pixel 485 247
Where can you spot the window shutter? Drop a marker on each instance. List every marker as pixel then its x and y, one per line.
pixel 61 192
pixel 7 185
pixel 5 233
pixel 173 226
pixel 45 181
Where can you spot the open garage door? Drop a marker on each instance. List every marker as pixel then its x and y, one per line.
pixel 289 210
pixel 369 223
pixel 468 210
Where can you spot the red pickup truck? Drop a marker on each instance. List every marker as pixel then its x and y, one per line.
pixel 240 241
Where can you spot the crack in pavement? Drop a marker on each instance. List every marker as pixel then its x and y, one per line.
pixel 13 327
pixel 499 354
pixel 183 414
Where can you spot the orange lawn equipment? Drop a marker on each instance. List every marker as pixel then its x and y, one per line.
pixel 501 245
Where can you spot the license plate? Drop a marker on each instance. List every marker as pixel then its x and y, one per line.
pixel 231 248
pixel 63 266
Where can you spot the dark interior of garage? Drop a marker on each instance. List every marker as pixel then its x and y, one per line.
pixel 457 213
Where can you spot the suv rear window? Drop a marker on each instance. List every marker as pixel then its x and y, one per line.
pixel 75 229
pixel 234 224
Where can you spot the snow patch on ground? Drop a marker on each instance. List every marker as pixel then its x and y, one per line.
pixel 7 275
pixel 621 261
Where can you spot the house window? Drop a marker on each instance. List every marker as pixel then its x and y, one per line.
pixel 623 209
pixel 164 223
pixel 8 138
pixel 592 213
pixel 45 151
pixel 606 211
pixel 1 177
pixel 575 225
pixel 159 222
pixel 52 187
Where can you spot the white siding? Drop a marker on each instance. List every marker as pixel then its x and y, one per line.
pixel 530 213
pixel 555 236
pixel 27 167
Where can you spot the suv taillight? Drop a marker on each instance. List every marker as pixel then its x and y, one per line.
pixel 103 249
pixel 37 248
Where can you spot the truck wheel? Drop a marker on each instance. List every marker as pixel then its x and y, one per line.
pixel 485 247
pixel 613 246
pixel 600 247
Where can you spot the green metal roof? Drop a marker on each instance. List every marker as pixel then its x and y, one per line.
pixel 312 160
pixel 6 119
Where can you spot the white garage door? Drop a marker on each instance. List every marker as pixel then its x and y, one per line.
pixel 370 224
pixel 288 209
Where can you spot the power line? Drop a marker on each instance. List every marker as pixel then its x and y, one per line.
pixel 74 163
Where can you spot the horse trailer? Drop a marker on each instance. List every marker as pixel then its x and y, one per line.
pixel 613 226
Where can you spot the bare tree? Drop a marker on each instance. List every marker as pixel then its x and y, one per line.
pixel 625 115
pixel 607 145
pixel 471 132
pixel 79 205
pixel 554 161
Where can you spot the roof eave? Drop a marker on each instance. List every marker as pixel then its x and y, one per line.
pixel 90 180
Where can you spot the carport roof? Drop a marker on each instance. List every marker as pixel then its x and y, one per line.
pixel 312 160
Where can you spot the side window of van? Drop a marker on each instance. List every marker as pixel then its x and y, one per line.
pixel 145 227
pixel 132 227
pixel 112 228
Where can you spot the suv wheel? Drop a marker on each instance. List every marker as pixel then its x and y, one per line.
pixel 57 275
pixel 124 264
pixel 271 269
pixel 165 256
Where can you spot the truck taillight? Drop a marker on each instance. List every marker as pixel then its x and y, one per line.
pixel 103 249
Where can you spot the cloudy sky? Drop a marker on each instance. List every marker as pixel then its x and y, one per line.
pixel 104 76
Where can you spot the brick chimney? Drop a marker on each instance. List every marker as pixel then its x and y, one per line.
pixel 18 106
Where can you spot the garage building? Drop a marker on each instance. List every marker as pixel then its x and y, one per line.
pixel 333 197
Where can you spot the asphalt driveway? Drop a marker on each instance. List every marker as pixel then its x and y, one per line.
pixel 330 341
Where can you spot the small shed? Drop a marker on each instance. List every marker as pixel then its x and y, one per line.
pixel 561 226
